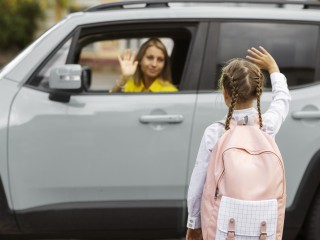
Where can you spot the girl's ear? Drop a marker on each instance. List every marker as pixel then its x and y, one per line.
pixel 227 98
pixel 225 94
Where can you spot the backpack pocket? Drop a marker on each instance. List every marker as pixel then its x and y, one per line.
pixel 249 219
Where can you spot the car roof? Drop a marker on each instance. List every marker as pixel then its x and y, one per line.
pixel 166 10
pixel 210 9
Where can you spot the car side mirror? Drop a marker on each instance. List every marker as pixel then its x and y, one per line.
pixel 65 77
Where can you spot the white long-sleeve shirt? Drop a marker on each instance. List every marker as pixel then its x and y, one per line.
pixel 272 120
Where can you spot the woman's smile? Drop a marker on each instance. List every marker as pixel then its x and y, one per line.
pixel 152 63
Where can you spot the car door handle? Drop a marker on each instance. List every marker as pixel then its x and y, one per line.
pixel 306 114
pixel 173 118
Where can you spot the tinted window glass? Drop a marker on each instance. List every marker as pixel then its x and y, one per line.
pixel 292 45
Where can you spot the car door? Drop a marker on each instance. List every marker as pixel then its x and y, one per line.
pixel 100 158
pixel 294 47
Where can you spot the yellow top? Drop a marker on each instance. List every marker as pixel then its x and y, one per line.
pixel 158 85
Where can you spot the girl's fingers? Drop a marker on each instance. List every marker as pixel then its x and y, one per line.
pixel 256 51
pixel 253 53
pixel 256 61
pixel 259 63
pixel 263 50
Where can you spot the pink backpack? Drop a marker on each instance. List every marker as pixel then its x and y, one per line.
pixel 244 195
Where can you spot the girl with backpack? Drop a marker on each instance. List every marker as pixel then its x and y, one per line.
pixel 237 188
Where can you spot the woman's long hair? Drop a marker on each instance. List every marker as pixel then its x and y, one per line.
pixel 166 71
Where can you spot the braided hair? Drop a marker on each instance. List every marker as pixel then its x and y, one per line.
pixel 242 81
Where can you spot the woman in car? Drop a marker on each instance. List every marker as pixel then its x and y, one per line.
pixel 148 71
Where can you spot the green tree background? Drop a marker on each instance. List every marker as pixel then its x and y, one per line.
pixel 19 21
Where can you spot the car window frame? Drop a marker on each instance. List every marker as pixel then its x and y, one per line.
pixel 190 75
pixel 31 81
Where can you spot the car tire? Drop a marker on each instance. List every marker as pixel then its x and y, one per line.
pixel 312 225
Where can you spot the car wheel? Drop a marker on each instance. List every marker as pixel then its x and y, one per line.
pixel 312 225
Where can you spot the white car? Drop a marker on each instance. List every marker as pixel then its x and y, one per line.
pixel 76 160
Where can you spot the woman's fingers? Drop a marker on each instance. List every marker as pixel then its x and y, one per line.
pixel 135 64
pixel 120 58
pixel 133 56
pixel 126 55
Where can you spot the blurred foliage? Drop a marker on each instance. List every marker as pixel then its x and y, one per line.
pixel 22 20
pixel 18 23
pixel 63 3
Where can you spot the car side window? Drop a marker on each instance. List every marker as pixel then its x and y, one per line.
pixel 293 45
pixel 101 59
pixel 96 50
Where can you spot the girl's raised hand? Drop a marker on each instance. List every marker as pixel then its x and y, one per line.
pixel 128 63
pixel 263 59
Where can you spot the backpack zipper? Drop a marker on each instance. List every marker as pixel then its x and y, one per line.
pixel 280 162
pixel 216 193
pixel 217 187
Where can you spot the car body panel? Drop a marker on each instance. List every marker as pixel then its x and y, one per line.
pixel 297 139
pixel 94 148
pixel 8 91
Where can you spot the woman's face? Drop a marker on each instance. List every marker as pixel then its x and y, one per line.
pixel 152 63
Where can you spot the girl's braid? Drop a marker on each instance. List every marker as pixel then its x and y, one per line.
pixel 233 102
pixel 259 93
